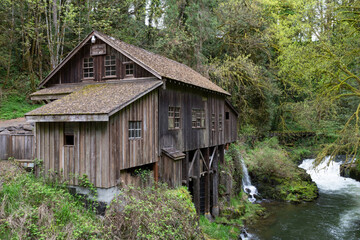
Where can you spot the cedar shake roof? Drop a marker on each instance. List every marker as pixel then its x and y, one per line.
pixel 93 99
pixel 158 65
pixel 59 89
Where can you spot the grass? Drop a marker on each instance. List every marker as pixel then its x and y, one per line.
pixel 15 106
pixel 214 230
pixel 32 209
pixel 38 208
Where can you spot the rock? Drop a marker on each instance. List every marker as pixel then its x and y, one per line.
pixel 21 132
pixel 11 128
pixel 5 132
pixel 2 129
pixel 28 127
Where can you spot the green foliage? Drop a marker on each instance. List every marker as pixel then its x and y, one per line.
pixel 153 213
pixel 276 175
pixel 33 210
pixel 15 106
pixel 214 230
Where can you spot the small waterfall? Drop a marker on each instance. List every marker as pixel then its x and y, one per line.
pixel 246 182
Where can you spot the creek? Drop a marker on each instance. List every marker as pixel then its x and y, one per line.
pixel 334 215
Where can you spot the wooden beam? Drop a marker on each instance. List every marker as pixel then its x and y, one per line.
pixel 207 184
pixel 185 169
pixel 215 185
pixel 192 163
pixel 212 156
pixel 196 184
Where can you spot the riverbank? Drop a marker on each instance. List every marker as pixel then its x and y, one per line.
pixel 334 215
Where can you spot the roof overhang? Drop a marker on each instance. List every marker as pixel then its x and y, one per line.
pixel 173 153
pixel 68 118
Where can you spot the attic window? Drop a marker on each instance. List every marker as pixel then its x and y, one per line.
pixel 88 68
pixel 110 66
pixel 129 69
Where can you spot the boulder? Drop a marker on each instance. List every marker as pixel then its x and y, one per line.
pixel 28 127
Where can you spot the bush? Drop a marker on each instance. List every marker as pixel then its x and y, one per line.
pixel 153 213
pixel 30 209
pixel 275 174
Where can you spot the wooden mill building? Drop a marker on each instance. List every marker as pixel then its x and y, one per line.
pixel 114 108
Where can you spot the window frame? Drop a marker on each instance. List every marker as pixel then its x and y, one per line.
pixel 86 60
pixel 135 130
pixel 128 64
pixel 174 118
pixel 198 118
pixel 213 121
pixel 111 64
pixel 69 131
pixel 221 121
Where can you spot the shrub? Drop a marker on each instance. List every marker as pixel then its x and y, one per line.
pixel 153 213
pixel 275 174
pixel 30 209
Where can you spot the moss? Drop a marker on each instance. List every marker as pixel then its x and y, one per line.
pixel 275 174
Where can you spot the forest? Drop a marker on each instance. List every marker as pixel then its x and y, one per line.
pixel 289 65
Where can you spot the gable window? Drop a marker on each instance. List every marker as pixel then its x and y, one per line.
pixel 220 121
pixel 129 69
pixel 110 66
pixel 134 129
pixel 174 117
pixel 88 68
pixel 213 122
pixel 69 138
pixel 198 118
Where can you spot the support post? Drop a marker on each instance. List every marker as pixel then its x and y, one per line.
pixel 221 153
pixel 156 172
pixel 215 185
pixel 207 183
pixel 185 169
pixel 196 184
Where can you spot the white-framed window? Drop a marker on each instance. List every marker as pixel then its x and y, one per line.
pixel 88 67
pixel 134 129
pixel 110 66
pixel 198 118
pixel 174 117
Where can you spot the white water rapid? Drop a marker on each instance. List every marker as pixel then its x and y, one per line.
pixel 246 182
pixel 327 177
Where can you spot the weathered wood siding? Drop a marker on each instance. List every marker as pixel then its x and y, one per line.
pixel 230 125
pixel 16 146
pixel 170 171
pixel 89 155
pixel 187 138
pixel 127 153
pixel 72 71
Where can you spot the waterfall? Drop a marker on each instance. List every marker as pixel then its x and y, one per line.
pixel 246 183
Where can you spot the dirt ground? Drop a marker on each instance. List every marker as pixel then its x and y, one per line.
pixel 12 122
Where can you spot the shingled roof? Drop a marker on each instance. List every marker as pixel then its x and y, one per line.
pixel 158 65
pixel 102 99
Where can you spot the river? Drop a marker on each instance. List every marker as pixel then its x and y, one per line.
pixel 334 215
